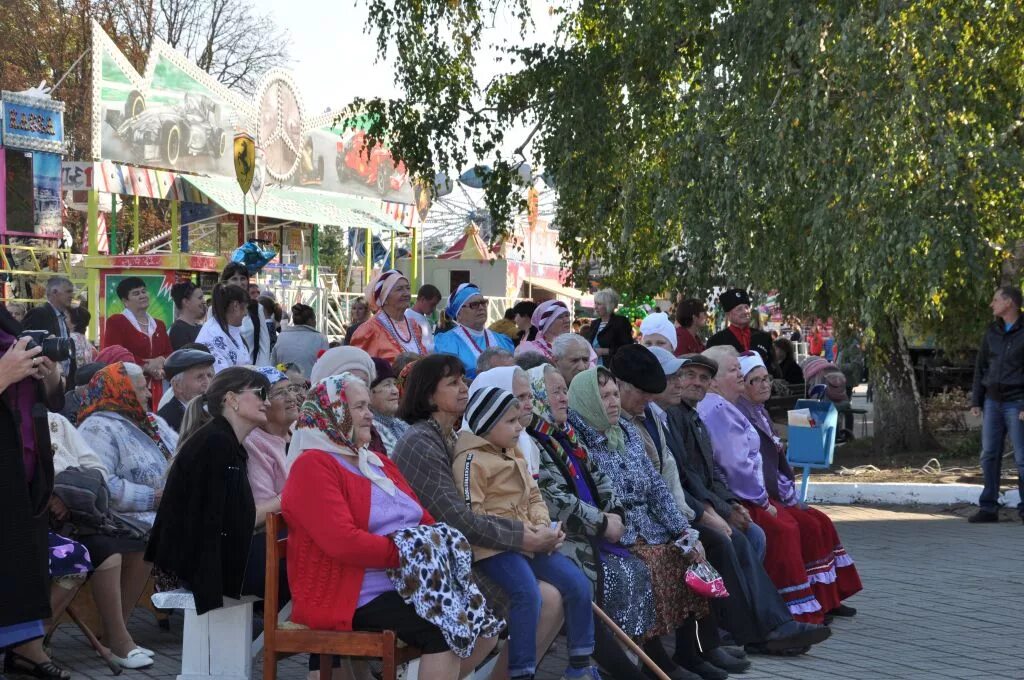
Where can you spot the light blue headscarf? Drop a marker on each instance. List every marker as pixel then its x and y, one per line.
pixel 459 298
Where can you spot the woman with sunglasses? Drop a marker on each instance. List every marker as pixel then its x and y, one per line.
pixel 468 338
pixel 204 527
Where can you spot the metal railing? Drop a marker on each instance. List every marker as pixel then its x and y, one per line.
pixel 39 262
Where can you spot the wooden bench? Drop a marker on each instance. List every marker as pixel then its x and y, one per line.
pixel 282 640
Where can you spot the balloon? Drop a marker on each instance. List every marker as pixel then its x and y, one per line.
pixel 252 256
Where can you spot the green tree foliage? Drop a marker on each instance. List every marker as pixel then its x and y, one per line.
pixel 862 158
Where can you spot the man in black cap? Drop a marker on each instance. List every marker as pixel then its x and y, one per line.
pixel 736 304
pixel 190 372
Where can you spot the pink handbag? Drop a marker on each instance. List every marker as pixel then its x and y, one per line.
pixel 705 580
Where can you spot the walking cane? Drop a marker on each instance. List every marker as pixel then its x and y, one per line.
pixel 633 647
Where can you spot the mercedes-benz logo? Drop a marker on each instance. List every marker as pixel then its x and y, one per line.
pixel 280 131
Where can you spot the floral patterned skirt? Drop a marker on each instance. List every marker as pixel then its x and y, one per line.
pixel 68 559
pixel 674 602
pixel 627 596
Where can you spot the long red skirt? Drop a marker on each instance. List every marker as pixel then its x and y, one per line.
pixel 784 563
pixel 829 569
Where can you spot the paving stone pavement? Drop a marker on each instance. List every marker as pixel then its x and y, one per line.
pixel 942 599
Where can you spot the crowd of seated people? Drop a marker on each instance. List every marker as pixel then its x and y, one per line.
pixel 558 475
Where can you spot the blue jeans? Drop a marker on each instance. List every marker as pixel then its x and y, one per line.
pixel 1000 418
pixel 756 538
pixel 517 575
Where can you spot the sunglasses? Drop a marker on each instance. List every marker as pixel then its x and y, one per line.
pixel 476 304
pixel 261 392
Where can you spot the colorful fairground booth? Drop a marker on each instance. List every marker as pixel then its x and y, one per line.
pixel 176 135
pixel 526 265
pixel 32 239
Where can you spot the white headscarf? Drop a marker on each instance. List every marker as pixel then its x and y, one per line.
pixel 325 423
pixel 658 323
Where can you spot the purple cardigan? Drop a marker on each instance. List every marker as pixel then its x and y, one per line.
pixel 736 448
pixel 778 476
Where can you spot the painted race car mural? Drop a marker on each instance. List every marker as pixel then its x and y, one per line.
pixel 167 133
pixel 177 117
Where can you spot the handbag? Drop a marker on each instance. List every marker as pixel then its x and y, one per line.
pixel 87 498
pixel 705 580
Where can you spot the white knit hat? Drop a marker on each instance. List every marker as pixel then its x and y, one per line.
pixel 659 323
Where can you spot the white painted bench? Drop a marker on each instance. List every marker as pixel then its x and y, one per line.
pixel 217 645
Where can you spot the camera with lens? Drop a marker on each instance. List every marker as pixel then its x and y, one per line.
pixel 56 349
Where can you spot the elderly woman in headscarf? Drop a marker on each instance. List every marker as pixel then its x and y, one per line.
pixel 654 527
pixel 832 573
pixel 551 319
pixel 120 573
pixel 384 395
pixel 389 332
pixel 656 330
pixel 344 505
pixel 134 445
pixel 582 498
pixel 468 338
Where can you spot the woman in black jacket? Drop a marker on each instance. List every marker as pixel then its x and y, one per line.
pixel 609 331
pixel 204 525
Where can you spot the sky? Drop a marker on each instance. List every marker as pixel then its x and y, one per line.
pixel 334 59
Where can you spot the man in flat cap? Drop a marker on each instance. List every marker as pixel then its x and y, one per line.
pixel 736 304
pixel 190 372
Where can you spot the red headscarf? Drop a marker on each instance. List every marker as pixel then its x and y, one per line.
pixel 111 390
pixel 113 354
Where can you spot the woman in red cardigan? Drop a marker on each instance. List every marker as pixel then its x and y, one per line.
pixel 341 502
pixel 142 335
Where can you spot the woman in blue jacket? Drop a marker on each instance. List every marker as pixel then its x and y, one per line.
pixel 468 338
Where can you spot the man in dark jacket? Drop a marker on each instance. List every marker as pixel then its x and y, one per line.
pixel 54 317
pixel 999 391
pixel 691 445
pixel 736 304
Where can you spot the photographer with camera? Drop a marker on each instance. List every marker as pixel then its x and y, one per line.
pixel 30 382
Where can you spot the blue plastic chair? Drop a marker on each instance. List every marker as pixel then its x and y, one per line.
pixel 812 447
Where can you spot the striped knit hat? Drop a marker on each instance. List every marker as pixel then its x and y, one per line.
pixel 485 409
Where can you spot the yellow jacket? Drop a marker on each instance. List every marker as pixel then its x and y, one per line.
pixel 497 482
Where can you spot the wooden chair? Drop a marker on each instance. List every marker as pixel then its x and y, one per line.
pixel 282 640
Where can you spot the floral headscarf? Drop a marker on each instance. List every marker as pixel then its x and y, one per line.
pixel 403 376
pixel 111 390
pixel 585 399
pixel 541 409
pixel 325 423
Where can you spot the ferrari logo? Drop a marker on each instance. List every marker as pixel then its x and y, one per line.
pixel 245 160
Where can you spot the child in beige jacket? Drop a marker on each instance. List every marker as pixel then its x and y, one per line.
pixel 496 480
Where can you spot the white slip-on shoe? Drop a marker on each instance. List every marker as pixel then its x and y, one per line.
pixel 135 659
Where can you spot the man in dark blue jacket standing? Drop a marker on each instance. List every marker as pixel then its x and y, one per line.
pixel 999 393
